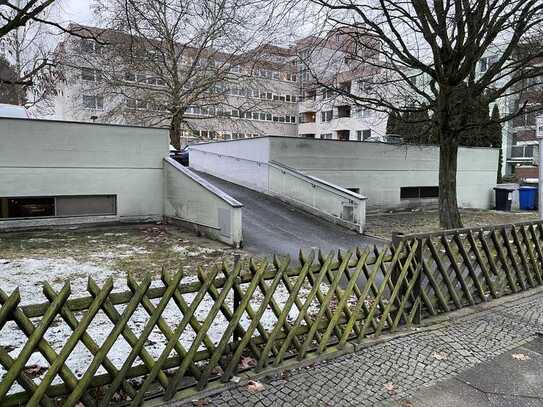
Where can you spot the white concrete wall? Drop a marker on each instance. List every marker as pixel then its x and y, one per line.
pixel 241 162
pixel 246 163
pixel 195 202
pixel 48 158
pixel 318 197
pixel 380 170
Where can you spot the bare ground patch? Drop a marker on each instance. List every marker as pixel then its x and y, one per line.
pixel 27 259
pixel 383 225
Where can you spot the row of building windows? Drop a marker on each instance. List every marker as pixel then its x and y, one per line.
pixel 361 135
pixel 214 135
pixel 88 46
pixel 95 75
pixel 257 93
pixel 93 102
pixel 220 111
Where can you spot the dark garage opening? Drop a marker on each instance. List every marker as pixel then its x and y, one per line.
pixel 419 192
pixel 57 206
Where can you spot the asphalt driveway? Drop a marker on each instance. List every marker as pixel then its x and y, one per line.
pixel 272 226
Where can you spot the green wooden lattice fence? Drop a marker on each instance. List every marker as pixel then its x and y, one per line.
pixel 238 318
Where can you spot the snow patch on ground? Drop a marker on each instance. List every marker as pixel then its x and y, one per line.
pixel 29 273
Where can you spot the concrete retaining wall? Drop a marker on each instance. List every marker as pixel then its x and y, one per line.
pixel 48 158
pixel 194 202
pixel 379 170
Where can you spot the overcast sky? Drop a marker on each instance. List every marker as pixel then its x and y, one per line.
pixel 77 11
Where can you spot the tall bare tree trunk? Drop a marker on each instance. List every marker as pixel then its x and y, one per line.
pixel 175 130
pixel 449 215
pixel 452 115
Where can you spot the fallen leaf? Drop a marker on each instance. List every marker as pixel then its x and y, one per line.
pixel 200 403
pixel 34 371
pixel 246 362
pixel 389 387
pixel 254 386
pixel 406 403
pixel 520 356
pixel 439 356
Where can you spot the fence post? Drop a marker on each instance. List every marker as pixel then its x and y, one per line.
pixel 418 285
pixel 237 296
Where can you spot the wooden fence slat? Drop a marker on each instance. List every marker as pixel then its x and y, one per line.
pixel 342 302
pixel 492 264
pixel 238 313
pixel 326 302
pixel 71 342
pixel 539 261
pixel 396 290
pixel 187 316
pixel 444 274
pixel 275 308
pixel 533 262
pixel 219 301
pixel 482 266
pixel 511 256
pixel 35 337
pixel 452 260
pixel 8 306
pixel 100 353
pixel 315 289
pixel 137 346
pixel 468 263
pixel 23 379
pixel 523 257
pixel 269 291
pixel 263 361
pixel 503 261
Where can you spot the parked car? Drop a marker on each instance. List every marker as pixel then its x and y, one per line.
pixel 182 156
pixel 391 139
pixel 15 111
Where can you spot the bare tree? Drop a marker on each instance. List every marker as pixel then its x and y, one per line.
pixel 425 57
pixel 9 93
pixel 171 57
pixel 27 30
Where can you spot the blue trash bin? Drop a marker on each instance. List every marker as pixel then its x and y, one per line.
pixel 528 198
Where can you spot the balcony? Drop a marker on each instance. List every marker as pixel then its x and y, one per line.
pixel 307 117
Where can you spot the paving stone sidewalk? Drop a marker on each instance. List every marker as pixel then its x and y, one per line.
pixel 398 368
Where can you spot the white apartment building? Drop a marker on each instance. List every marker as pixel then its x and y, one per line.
pixel 270 94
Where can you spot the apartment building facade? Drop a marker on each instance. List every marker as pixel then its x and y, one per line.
pixel 269 93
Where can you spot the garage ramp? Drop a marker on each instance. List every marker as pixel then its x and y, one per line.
pixel 271 225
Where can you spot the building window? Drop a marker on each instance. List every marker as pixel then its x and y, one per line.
pixel 344 111
pixel 326 136
pixel 89 47
pixel 362 135
pixel 89 74
pixel 419 192
pixel 327 116
pixel 93 102
pixel 57 206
